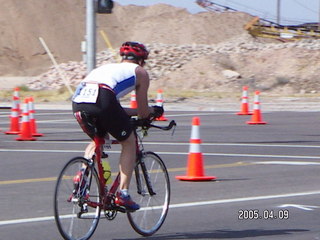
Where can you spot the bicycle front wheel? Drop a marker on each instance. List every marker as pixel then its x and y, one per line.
pixel 150 188
pixel 76 200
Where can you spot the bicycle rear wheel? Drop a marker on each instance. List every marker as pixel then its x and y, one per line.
pixel 74 192
pixel 150 188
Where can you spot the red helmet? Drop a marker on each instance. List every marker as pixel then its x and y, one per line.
pixel 134 49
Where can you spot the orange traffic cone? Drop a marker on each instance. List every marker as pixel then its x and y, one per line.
pixel 15 112
pixel 244 102
pixel 159 102
pixel 195 171
pixel 16 97
pixel 133 100
pixel 25 134
pixel 33 124
pixel 257 115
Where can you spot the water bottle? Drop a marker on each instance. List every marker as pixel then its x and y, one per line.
pixel 106 171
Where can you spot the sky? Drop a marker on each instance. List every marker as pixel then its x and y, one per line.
pixel 292 12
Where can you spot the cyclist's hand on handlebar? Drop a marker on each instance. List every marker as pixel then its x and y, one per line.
pixel 143 122
pixel 157 111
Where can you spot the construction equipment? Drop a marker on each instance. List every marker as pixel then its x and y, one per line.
pixel 259 27
pixel 262 28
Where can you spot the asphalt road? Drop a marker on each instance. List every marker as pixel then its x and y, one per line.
pixel 266 171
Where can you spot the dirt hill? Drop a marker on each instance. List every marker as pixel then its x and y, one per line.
pixel 205 52
pixel 62 25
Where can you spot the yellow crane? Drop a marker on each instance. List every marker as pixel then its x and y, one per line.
pixel 259 27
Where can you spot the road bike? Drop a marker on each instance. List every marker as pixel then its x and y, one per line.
pixel 79 199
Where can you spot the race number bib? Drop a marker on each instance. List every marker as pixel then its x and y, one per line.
pixel 86 93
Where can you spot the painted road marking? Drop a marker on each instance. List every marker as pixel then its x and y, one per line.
pixel 168 153
pixel 215 166
pixel 245 199
pixel 299 206
pixel 50 179
pixel 181 205
pixel 187 143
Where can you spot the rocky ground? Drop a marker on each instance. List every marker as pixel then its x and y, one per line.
pixel 273 67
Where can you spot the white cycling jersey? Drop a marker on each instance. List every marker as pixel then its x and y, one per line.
pixel 120 77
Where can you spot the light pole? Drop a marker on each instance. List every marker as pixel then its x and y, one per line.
pixel 90 35
pixel 278 11
pixel 319 17
pixel 93 7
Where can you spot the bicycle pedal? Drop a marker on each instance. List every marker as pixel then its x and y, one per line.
pixel 120 209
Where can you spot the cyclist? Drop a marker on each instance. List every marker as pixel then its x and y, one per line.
pixel 96 100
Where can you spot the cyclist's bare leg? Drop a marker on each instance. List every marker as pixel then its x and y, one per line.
pixel 90 149
pixel 127 161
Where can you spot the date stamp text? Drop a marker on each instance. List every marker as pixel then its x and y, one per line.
pixel 255 214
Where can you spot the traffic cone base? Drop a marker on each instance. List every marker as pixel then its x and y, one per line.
pixel 25 134
pixel 26 139
pixel 250 122
pixel 193 178
pixel 12 133
pixel 195 170
pixel 244 113
pixel 14 126
pixel 37 134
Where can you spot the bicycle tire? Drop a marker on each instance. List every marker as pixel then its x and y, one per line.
pixel 70 201
pixel 153 208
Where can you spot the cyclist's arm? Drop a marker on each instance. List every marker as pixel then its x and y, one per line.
pixel 142 86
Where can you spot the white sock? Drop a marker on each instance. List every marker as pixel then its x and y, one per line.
pixel 124 192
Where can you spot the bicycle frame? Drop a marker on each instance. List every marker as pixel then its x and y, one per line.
pixel 107 196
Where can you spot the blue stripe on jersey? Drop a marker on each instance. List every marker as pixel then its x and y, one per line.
pixel 125 84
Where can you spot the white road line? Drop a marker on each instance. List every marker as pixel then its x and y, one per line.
pixel 169 153
pixel 180 205
pixel 245 199
pixel 199 114
pixel 202 144
pixel 26 220
pixel 43 150
pixel 59 120
pixel 300 206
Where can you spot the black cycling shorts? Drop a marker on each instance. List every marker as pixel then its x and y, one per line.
pixel 109 114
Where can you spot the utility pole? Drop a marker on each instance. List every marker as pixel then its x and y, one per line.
pixel 278 11
pixel 319 17
pixel 93 7
pixel 90 35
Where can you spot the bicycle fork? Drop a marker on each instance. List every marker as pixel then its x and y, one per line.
pixel 146 178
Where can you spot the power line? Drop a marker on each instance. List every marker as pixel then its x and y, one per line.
pixel 269 15
pixel 305 7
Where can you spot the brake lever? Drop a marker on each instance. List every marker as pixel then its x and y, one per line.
pixel 174 129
